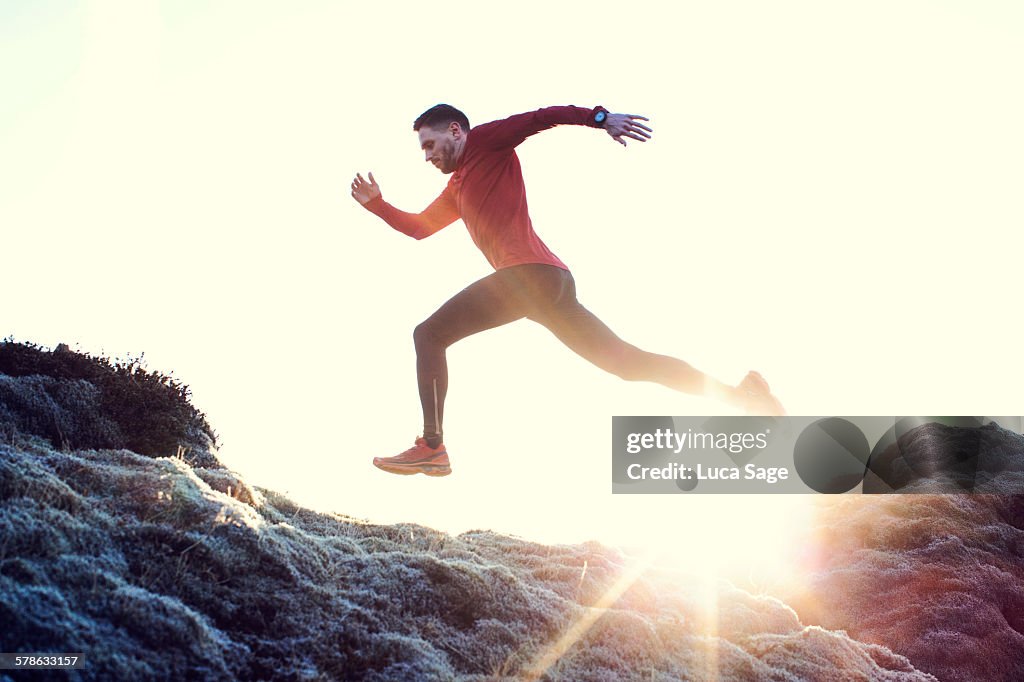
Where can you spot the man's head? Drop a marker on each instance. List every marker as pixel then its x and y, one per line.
pixel 442 130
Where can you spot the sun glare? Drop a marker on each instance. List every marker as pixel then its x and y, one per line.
pixel 750 540
pixel 551 654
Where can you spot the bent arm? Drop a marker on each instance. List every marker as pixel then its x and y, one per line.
pixel 511 131
pixel 441 213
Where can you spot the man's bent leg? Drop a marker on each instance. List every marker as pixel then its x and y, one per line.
pixel 490 302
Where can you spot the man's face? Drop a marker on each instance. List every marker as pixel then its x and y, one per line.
pixel 439 146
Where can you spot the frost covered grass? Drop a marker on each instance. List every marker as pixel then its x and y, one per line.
pixel 936 578
pixel 158 570
pixel 173 567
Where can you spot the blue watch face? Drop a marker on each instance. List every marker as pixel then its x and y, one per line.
pixel 600 116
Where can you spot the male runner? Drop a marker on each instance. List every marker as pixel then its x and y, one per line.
pixel 486 190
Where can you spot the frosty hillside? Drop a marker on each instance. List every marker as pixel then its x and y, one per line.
pixel 159 563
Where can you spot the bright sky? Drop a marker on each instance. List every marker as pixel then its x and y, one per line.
pixel 832 197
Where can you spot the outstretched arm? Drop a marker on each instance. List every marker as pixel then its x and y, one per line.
pixel 441 212
pixel 510 132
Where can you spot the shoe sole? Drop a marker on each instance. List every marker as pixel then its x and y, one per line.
pixel 409 470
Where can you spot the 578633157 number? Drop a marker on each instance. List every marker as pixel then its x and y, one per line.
pixel 38 661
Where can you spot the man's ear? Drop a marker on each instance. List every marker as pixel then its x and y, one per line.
pixel 455 129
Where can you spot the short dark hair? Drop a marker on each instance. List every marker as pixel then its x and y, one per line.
pixel 441 116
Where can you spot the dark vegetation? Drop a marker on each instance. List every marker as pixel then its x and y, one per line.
pixel 75 400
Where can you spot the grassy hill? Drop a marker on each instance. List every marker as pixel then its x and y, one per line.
pixel 165 565
pixel 159 570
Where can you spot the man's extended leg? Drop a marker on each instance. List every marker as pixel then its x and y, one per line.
pixel 589 337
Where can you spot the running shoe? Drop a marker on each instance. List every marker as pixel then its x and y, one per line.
pixel 419 459
pixel 758 398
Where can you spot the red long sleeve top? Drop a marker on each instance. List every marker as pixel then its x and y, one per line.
pixel 487 191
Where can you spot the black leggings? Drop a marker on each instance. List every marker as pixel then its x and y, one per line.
pixel 544 294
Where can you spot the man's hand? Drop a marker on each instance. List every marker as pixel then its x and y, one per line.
pixel 363 191
pixel 625 125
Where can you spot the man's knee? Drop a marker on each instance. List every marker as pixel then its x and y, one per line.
pixel 425 336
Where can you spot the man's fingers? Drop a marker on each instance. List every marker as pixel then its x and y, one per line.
pixel 630 132
pixel 633 125
pixel 372 181
pixel 633 122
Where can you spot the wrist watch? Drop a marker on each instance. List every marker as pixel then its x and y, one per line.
pixel 599 116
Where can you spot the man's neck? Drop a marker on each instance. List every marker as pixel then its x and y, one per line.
pixel 460 144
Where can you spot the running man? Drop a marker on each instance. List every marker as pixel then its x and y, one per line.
pixel 487 192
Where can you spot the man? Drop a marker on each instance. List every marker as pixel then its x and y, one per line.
pixel 486 190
